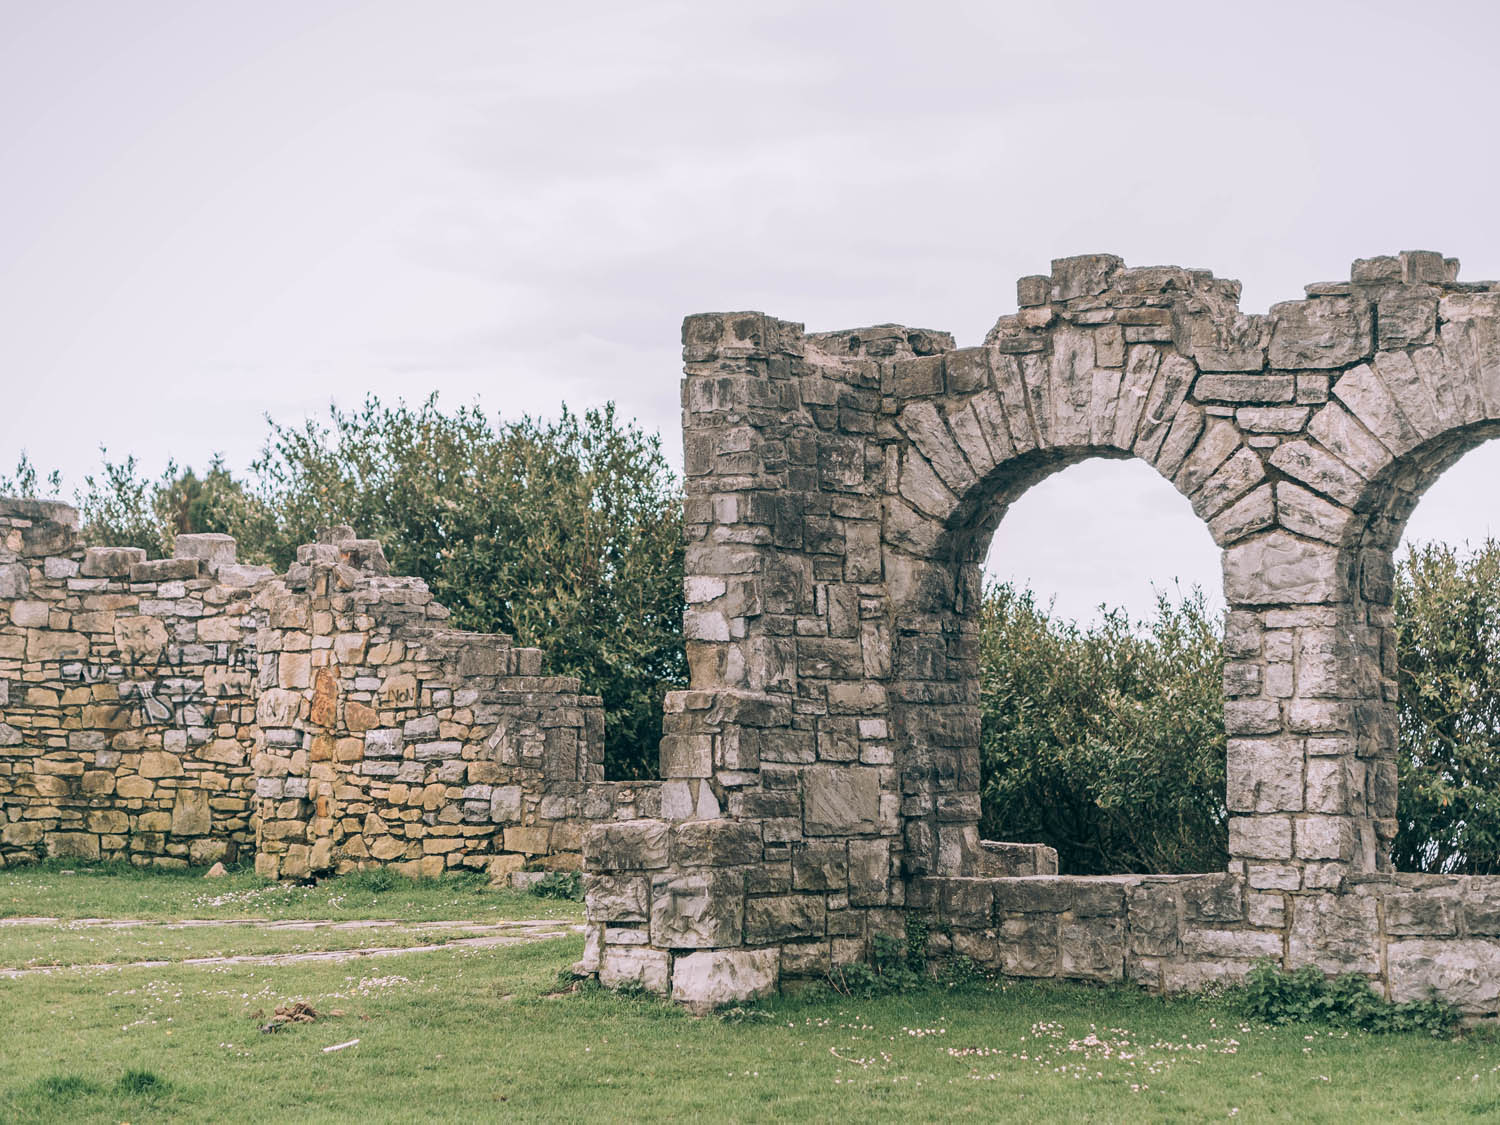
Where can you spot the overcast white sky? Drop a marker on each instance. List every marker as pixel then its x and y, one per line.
pixel 211 211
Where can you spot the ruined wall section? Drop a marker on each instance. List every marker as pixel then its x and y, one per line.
pixel 127 724
pixel 391 739
pixel 843 489
pixel 782 794
pixel 186 710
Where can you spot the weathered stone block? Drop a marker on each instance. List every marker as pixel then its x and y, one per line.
pixel 110 562
pixel 1465 973
pixel 1322 333
pixel 840 800
pixel 715 843
pixel 698 909
pixel 634 966
pixel 708 980
pixel 781 917
pixel 617 898
pixel 1092 949
pixel 191 815
pixel 1335 932
pixel 1277 568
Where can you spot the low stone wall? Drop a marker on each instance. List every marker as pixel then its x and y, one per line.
pixel 184 710
pixel 1409 934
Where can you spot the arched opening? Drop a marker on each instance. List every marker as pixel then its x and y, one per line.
pixel 1446 664
pixel 1425 636
pixel 1101 675
pixel 938 698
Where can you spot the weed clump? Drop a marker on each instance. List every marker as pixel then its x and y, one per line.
pixel 1273 995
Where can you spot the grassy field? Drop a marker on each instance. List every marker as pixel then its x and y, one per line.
pixel 485 1034
pixel 118 891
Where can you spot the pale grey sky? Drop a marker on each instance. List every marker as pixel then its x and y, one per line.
pixel 209 211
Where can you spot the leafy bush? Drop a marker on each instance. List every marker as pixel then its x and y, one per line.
pixel 891 968
pixel 1106 743
pixel 1448 671
pixel 1273 995
pixel 559 884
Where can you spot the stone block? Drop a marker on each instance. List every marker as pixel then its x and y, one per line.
pixel 716 843
pixel 1429 912
pixel 1324 333
pixel 616 898
pixel 1213 898
pixel 383 742
pixel 159 763
pixel 110 562
pixel 528 841
pixel 1092 949
pixel 1029 945
pixel 15 580
pixel 840 800
pixel 627 845
pixel 820 866
pixel 164 570
pixel 697 909
pixel 211 548
pixel 777 918
pixel 711 979
pixel 1264 775
pixel 1151 915
pixel 1465 973
pixel 191 814
pixel 1335 932
pixel 1277 568
pixel 634 966
pixel 1260 837
pixel 687 755
pixel 869 872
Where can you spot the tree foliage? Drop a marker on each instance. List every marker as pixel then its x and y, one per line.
pixel 1448 672
pixel 1108 742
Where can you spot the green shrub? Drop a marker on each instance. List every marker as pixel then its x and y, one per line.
pixel 1448 672
pixel 1108 742
pixel 1273 995
pixel 559 884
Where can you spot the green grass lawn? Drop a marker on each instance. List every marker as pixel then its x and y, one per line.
pixel 69 943
pixel 466 1035
pixel 118 891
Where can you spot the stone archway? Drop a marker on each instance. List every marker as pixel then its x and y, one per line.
pixel 821 773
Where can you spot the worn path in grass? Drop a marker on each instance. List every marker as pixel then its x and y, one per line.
pixel 46 945
pixel 119 892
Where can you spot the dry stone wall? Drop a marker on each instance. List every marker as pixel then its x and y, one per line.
pixel 392 739
pixel 843 489
pixel 186 710
pixel 127 725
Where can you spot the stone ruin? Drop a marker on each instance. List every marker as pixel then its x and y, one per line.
pixel 822 772
pixel 186 710
pixel 820 777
